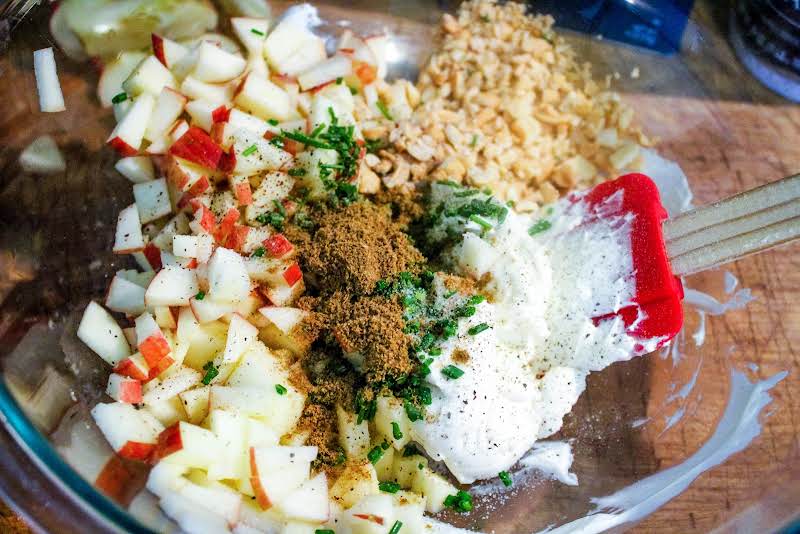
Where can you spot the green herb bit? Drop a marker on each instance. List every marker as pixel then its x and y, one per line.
pixel 384 110
pixel 549 210
pixel 297 171
pixel 474 141
pixel 324 531
pixel 257 32
pixel 467 193
pixel 476 299
pixel 259 252
pixel 373 145
pixel 365 409
pixel 375 454
pixel 272 122
pixel 480 221
pixel 200 295
pixel 306 140
pixel 119 98
pixel 339 80
pixel 425 395
pixel 413 412
pixel 540 226
pixel 396 432
pixel 249 150
pixel 452 372
pixel 485 18
pixel 460 502
pixel 317 130
pixel 477 329
pixel 420 466
pixel 505 478
pixel 353 91
pixel 396 527
pixel 389 487
pixel 410 450
pixel 280 389
pixel 211 373
pixel 435 351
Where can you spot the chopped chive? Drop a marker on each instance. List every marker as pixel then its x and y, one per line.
pixel 375 454
pixel 211 373
pixel 318 130
pixel 389 487
pixel 273 122
pixel 452 372
pixel 259 252
pixel 396 527
pixel 324 531
pixel 477 329
pixel 505 478
pixel 297 171
pixel 460 502
pixel 413 413
pixel 384 110
pixel 396 432
pixel 480 221
pixel 339 80
pixel 257 32
pixel 280 389
pixel 410 450
pixel 200 295
pixel 539 226
pixel 476 299
pixel 119 98
pixel 353 91
pixel 474 141
pixel 307 140
pixel 249 150
pixel 485 18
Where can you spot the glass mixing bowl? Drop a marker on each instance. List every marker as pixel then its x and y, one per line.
pixel 636 419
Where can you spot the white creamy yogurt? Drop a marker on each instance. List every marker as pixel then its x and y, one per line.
pixel 528 370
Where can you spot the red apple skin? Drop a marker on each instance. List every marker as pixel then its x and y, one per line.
pixel 261 496
pixel 127 368
pixel 198 188
pixel 162 365
pixel 154 348
pixel 277 245
pixel 293 274
pixel 227 162
pixel 370 517
pixel 198 147
pixel 365 72
pixel 226 225
pixel 244 194
pixel 237 237
pixel 207 220
pixel 122 148
pixel 131 392
pixel 134 450
pixel 158 49
pixel 153 255
pixel 317 88
pixel 114 479
pixel 221 114
pixel 169 441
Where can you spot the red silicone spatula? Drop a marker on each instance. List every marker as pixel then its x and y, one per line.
pixel 664 249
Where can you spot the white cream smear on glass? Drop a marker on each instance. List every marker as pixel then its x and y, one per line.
pixel 528 369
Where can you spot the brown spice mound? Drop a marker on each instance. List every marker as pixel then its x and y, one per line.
pixel 407 204
pixel 320 420
pixel 460 356
pixel 373 328
pixel 355 247
pixel 464 286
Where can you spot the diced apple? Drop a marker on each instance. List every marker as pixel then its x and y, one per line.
pixel 210 495
pixel 137 169
pixel 128 237
pixel 114 73
pixel 324 72
pixel 131 433
pixel 263 98
pixel 433 487
pixel 260 368
pixel 134 366
pixel 353 436
pixel 197 90
pixel 201 112
pixel 356 481
pixel 285 39
pixel 277 471
pixel 406 467
pixel 255 154
pixel 188 445
pixel 280 412
pixel 311 160
pixel 184 174
pixel 152 200
pixel 373 514
pixel 164 317
pixel 150 76
pixel 129 132
pixel 285 295
pixel 101 333
pixel 124 389
pixel 309 502
pixel 197 147
pixel 207 343
pixel 241 334
pixel 243 27
pixel 182 380
pixel 140 279
pixel 389 411
pixel 172 286
pixel 178 225
pixel 51 99
pixel 168 108
pixel 42 156
pixel 228 280
pixel 194 509
pixel 67 40
pixel 409 509
pixel 252 516
pixel 241 189
pixel 195 403
pixel 379 44
pixel 231 428
pixel 168 412
pixel 168 52
pixel 207 309
pixel 384 467
pixel 215 65
pixel 125 296
pixel 260 435
pixel 311 53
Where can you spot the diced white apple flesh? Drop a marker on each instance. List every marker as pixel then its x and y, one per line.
pixel 152 200
pixel 150 76
pixel 191 446
pixel 168 108
pixel 146 326
pixel 137 169
pixel 176 226
pixel 433 487
pixel 277 471
pixel 51 99
pixel 266 156
pixel 114 73
pixel 213 496
pixel 353 436
pixel 168 412
pixel 263 98
pixel 390 410
pixel 228 280
pixel 309 502
pixel 101 333
pixel 311 53
pixel 67 40
pixel 168 51
pixel 215 65
pixel 287 37
pixel 357 481
pixel 195 403
pixel 129 132
pixel 232 429
pixel 195 89
pixel 325 71
pixel 125 296
pixel 193 246
pixel 240 335
pixel 379 45
pixel 208 309
pixel 280 412
pixel 42 156
pixel 373 514
pixel 201 113
pixel 192 517
pixel 124 389
pixel 140 279
pixel 166 478
pixel 129 231
pixel 184 379
pixel 164 317
pixel 172 286
pixel 129 431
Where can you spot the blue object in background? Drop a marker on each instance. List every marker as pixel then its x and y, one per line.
pixel 654 24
